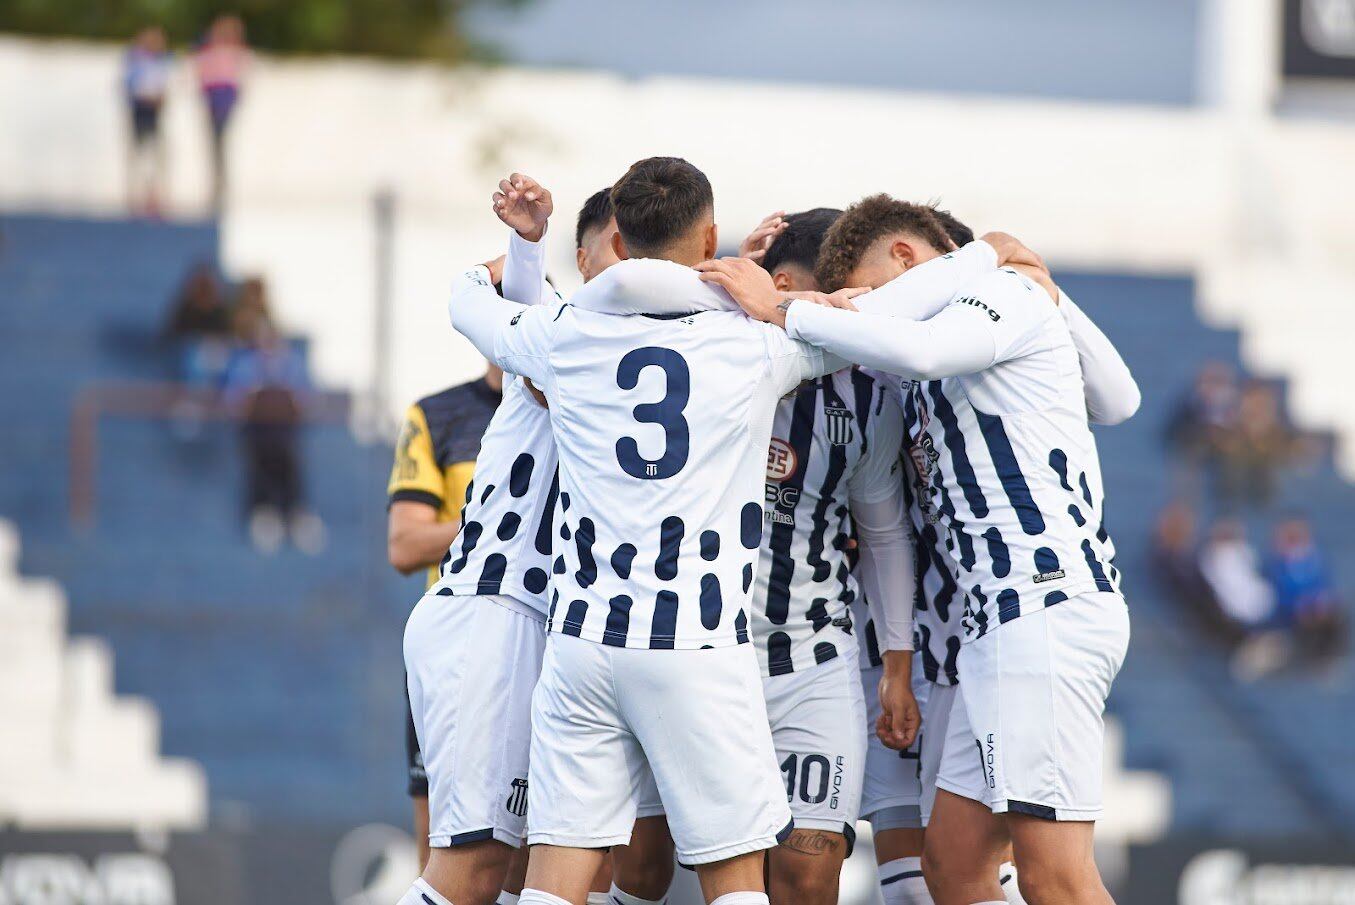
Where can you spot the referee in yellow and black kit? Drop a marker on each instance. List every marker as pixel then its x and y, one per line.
pixel 434 462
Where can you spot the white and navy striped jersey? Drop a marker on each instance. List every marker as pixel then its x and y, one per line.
pixel 936 605
pixel 1007 473
pixel 662 425
pixel 835 440
pixel 504 545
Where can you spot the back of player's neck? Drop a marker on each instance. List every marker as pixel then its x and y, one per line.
pixel 687 257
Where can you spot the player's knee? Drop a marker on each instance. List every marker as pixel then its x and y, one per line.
pixel 644 870
pixel 652 884
pixel 814 883
pixel 807 866
pixel 471 874
pixel 1051 879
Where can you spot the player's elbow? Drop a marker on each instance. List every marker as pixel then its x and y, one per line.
pixel 401 555
pixel 1120 409
pixel 924 362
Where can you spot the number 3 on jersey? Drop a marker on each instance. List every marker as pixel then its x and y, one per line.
pixel 667 412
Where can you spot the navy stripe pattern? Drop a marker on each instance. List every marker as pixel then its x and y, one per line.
pixel 1009 508
pixel 827 438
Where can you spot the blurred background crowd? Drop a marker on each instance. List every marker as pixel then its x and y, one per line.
pixel 225 239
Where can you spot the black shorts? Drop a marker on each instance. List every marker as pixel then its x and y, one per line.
pixel 145 121
pixel 418 778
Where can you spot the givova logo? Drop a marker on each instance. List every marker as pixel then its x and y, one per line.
pixel 65 879
pixel 988 759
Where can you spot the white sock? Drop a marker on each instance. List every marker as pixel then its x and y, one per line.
pixel 742 898
pixel 423 894
pixel 537 897
pixel 1006 875
pixel 506 898
pixel 622 897
pixel 901 882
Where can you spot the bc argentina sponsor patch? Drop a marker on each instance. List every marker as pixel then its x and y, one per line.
pixel 1055 575
pixel 981 305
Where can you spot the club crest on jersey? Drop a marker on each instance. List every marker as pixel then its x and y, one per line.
pixel 838 421
pixel 781 460
pixel 517 797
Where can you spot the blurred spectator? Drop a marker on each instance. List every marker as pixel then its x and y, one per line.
pixel 221 62
pixel 1179 569
pixel 1306 600
pixel 200 323
pixel 1232 571
pixel 199 307
pixel 146 68
pixel 251 312
pixel 264 384
pixel 1259 444
pixel 1205 414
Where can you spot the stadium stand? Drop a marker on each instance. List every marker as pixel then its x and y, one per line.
pixel 1183 714
pixel 281 674
pixel 74 754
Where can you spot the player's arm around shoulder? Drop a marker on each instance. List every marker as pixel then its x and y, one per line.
pixel 1010 308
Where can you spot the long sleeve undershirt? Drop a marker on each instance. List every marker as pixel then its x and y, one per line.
pixel 1112 393
pixel 886 569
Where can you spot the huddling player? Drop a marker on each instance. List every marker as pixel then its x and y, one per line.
pixel 664 572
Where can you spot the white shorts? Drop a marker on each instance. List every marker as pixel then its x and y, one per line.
pixel 948 756
pixel 818 720
pixel 1035 692
pixel 602 716
pixel 472 663
pixel 893 781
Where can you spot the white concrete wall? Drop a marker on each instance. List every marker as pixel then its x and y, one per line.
pixel 1259 208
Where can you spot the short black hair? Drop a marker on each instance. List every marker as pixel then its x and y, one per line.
pixel 658 201
pixel 595 213
pixel 960 234
pixel 800 241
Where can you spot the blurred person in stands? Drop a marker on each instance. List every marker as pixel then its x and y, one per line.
pixel 250 311
pixel 1259 444
pixel 434 462
pixel 200 323
pixel 1203 417
pixel 264 385
pixel 221 63
pixel 199 307
pixel 1307 605
pixel 145 79
pixel 1232 570
pixel 1178 570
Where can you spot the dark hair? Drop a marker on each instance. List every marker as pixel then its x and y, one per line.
pixel 862 225
pixel 960 234
pixel 800 241
pixel 595 213
pixel 658 201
